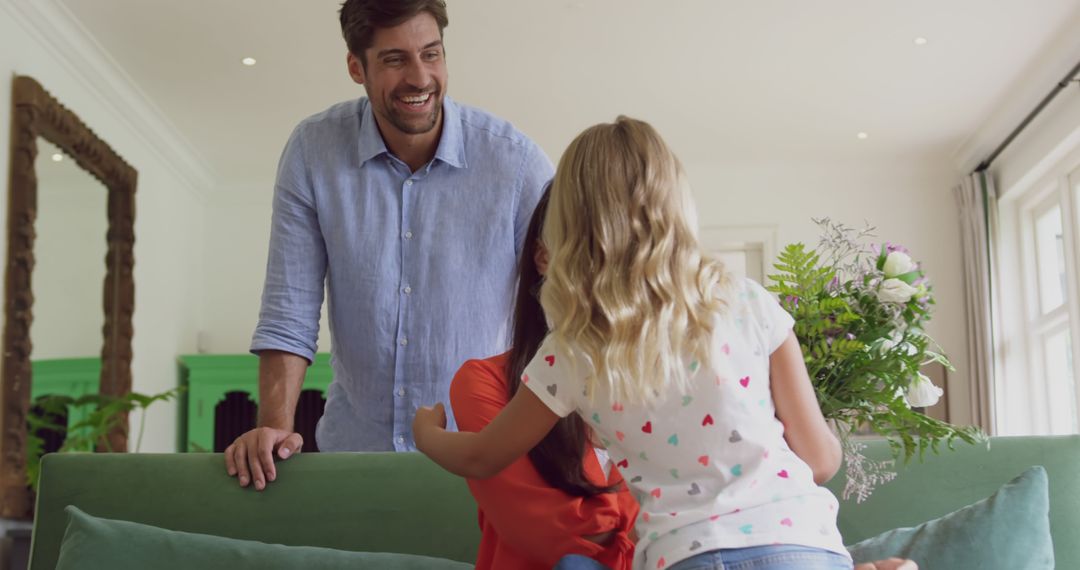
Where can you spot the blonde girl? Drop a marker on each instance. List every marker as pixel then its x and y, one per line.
pixel 692 380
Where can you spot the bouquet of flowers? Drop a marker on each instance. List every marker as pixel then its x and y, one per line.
pixel 859 315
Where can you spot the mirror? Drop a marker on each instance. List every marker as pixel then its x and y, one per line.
pixel 69 272
pixel 69 256
pixel 57 216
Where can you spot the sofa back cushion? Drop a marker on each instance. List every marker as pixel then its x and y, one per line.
pixel 372 502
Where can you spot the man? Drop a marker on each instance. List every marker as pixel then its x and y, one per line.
pixel 410 210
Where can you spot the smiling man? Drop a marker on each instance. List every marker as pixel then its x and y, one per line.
pixel 409 210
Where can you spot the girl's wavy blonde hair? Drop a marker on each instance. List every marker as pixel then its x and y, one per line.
pixel 628 288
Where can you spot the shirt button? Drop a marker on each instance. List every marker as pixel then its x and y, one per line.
pixel 404 341
pixel 408 235
pixel 401 392
pixel 408 182
pixel 400 439
pixel 408 290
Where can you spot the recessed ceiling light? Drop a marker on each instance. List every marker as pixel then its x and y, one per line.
pixel 920 41
pixel 863 136
pixel 248 61
pixel 57 157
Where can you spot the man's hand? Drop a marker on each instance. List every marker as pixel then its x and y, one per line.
pixel 426 420
pixel 890 564
pixel 250 458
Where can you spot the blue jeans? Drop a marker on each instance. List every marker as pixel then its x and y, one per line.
pixel 778 557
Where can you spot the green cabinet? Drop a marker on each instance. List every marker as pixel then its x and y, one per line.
pixel 209 378
pixel 74 377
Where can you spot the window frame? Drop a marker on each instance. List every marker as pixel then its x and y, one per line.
pixel 1022 346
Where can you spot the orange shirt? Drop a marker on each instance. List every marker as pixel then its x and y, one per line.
pixel 525 523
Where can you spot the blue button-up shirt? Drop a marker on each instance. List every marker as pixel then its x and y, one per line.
pixel 420 267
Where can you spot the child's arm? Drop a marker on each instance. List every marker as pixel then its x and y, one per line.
pixel 527 513
pixel 797 408
pixel 517 429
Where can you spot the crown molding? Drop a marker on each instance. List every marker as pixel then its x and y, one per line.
pixel 1024 93
pixel 56 29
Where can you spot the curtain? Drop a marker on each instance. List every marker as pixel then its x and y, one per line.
pixel 977 201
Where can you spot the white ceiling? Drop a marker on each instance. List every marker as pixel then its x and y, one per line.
pixel 722 79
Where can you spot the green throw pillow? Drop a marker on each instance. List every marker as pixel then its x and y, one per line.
pixel 1009 530
pixel 92 542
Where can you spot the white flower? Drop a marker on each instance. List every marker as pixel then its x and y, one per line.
pixel 922 393
pixel 896 339
pixel 895 291
pixel 893 339
pixel 898 263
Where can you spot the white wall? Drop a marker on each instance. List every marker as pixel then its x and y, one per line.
pixel 910 203
pixel 237 240
pixel 169 206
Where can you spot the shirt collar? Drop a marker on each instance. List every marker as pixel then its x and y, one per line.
pixel 451 149
pixel 452 144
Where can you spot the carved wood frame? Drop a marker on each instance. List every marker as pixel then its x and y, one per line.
pixel 36 113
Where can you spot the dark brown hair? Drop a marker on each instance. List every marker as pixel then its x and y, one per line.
pixel 360 19
pixel 559 457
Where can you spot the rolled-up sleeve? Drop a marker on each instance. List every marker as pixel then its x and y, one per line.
pixel 296 263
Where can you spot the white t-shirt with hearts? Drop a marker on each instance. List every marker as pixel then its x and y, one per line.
pixel 710 468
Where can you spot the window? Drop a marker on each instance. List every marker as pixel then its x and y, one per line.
pixel 1050 258
pixel 1038 379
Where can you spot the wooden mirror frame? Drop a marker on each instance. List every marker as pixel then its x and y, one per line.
pixel 36 113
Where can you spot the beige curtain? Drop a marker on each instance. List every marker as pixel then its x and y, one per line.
pixel 977 200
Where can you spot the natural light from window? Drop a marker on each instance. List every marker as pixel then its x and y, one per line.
pixel 1050 249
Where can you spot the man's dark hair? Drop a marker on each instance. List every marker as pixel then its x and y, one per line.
pixel 360 19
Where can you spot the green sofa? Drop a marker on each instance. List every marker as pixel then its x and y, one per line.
pixel 375 502
pixel 383 501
